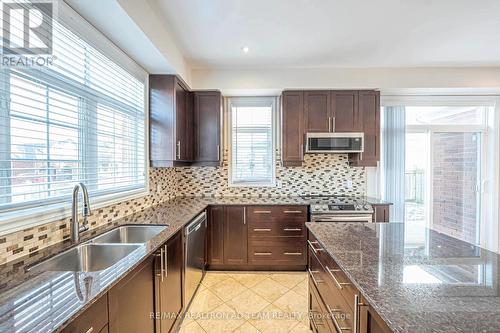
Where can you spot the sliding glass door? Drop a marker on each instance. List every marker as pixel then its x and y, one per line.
pixel 443 169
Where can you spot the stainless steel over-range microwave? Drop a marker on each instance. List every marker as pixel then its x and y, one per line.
pixel 335 142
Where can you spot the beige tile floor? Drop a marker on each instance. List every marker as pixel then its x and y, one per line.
pixel 249 302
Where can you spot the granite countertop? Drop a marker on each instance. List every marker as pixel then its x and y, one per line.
pixel 46 302
pixel 417 279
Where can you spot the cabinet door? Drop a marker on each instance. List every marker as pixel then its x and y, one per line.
pixel 207 124
pixel 161 119
pixel 381 213
pixel 94 319
pixel 184 118
pixel 235 236
pixel 131 301
pixel 169 297
pixel 317 111
pixel 293 128
pixel 369 108
pixel 216 235
pixel 345 115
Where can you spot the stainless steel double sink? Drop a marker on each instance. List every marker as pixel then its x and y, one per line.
pixel 102 251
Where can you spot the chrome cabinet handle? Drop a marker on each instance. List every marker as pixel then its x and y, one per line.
pixel 262 211
pixel 333 124
pixel 244 215
pixel 357 305
pixel 301 151
pixel 218 152
pixel 166 261
pixel 292 211
pixel 162 258
pixel 315 250
pixel 90 330
pixel 292 229
pixel 329 124
pixel 339 284
pixel 261 229
pixel 262 253
pixel 311 273
pixel 293 253
pixel 178 150
pixel 335 322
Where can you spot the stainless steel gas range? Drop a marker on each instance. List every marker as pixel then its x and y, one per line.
pixel 341 209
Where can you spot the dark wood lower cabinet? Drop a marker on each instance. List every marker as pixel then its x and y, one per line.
pixel 131 301
pixel 333 298
pixel 215 235
pixel 235 236
pixel 381 213
pixel 257 237
pixel 94 319
pixel 168 285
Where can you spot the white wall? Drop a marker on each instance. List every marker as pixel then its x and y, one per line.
pixel 234 81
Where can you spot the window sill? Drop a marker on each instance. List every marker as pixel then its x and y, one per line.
pixel 28 218
pixel 250 185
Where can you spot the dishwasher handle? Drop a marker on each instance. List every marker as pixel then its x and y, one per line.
pixel 196 224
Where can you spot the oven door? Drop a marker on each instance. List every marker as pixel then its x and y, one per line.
pixel 342 218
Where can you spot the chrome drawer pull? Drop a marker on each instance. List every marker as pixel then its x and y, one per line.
pixel 339 284
pixel 315 250
pixel 293 253
pixel 262 253
pixel 90 330
pixel 311 273
pixel 262 211
pixel 357 305
pixel 292 211
pixel 162 258
pixel 335 322
pixel 261 229
pixel 292 229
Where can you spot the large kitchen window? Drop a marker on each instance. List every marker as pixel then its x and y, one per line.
pixel 80 120
pixel 252 141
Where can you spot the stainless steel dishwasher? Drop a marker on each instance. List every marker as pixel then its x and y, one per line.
pixel 195 255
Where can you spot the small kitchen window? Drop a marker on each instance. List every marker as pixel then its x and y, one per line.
pixel 252 138
pixel 81 119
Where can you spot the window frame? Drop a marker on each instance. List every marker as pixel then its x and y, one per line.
pixel 38 212
pixel 246 101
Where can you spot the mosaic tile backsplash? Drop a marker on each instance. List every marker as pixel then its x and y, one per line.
pixel 321 174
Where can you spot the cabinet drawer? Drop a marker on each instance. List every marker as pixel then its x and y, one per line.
pixel 262 229
pixel 339 311
pixel 284 252
pixel 94 319
pixel 263 214
pixel 334 276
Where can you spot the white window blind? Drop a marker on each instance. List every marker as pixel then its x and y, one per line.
pixel 80 120
pixel 252 141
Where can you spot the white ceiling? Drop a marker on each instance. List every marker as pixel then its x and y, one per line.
pixel 335 33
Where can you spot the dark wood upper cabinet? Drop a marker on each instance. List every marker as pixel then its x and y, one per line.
pixel 317 111
pixel 215 235
pixel 369 110
pixel 235 236
pixel 185 126
pixel 171 117
pixel 293 128
pixel 207 126
pixel 169 288
pixel 344 111
pixel 131 301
